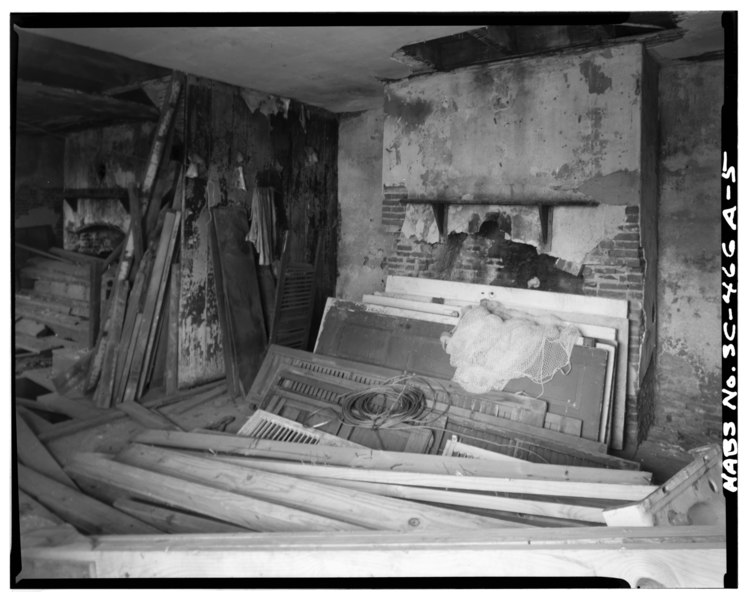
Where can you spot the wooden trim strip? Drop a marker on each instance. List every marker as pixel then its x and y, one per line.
pixel 364 458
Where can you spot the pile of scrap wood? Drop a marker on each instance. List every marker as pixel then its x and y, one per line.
pixel 278 476
pixel 130 349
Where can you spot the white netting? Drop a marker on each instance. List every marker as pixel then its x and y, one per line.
pixel 491 345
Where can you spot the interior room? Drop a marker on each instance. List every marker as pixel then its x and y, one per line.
pixel 375 300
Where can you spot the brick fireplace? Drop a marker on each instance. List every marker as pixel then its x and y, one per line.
pixel 569 126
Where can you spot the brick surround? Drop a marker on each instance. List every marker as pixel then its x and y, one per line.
pixel 613 269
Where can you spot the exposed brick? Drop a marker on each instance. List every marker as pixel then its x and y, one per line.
pixel 632 210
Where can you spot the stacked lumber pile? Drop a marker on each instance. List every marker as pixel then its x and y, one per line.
pixel 274 477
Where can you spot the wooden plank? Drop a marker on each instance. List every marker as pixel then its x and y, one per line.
pixel 608 390
pixel 135 220
pixel 241 290
pixel 513 296
pixel 131 327
pixel 74 291
pixel 675 557
pixel 76 409
pixel 171 370
pixel 39 377
pixel 605 491
pixel 103 394
pixel 28 326
pixel 165 248
pixel 170 520
pixel 200 336
pixel 36 422
pixel 148 417
pixel 38 345
pixel 426 307
pixel 84 513
pixel 228 345
pixel 161 291
pixel 76 257
pixel 693 496
pixel 542 508
pixel 67 326
pixel 369 511
pixel 32 453
pixel 31 300
pixel 205 500
pixel 95 271
pixel 364 458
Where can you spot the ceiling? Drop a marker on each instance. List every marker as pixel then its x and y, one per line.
pixel 340 68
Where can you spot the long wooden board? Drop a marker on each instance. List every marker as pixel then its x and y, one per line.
pixel 573 512
pixel 675 557
pixel 512 296
pixel 541 487
pixel 32 453
pixel 206 500
pixel 170 520
pixel 85 513
pixel 369 511
pixel 241 292
pixel 365 458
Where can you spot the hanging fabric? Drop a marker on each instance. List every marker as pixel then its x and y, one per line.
pixel 263 229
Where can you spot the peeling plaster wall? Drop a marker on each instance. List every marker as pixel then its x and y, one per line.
pixel 364 246
pixel 560 126
pixel 687 407
pixel 112 156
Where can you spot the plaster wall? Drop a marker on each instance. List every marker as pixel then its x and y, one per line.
pixel 554 127
pixel 687 404
pixel 363 244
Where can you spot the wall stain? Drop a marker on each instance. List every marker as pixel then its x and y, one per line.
pixel 597 81
pixel 413 114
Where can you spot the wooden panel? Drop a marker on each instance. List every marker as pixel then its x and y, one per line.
pixel 200 337
pixel 581 320
pixel 350 331
pixel 577 393
pixel 468 416
pixel 241 292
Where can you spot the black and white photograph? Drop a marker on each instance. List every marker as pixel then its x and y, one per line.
pixel 373 299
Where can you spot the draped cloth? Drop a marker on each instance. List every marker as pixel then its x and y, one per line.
pixel 263 231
